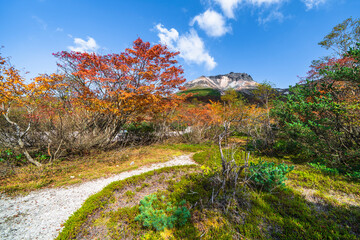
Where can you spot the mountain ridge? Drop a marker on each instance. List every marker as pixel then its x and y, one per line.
pixel 241 82
pixel 237 81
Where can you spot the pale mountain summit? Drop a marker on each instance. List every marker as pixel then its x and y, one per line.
pixel 236 81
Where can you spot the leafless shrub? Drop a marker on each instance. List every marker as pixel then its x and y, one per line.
pixel 233 175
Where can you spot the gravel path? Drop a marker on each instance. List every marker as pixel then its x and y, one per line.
pixel 40 214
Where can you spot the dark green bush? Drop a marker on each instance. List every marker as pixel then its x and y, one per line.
pixel 321 116
pixel 354 175
pixel 286 147
pixel 140 128
pixel 158 214
pixel 140 132
pixel 268 175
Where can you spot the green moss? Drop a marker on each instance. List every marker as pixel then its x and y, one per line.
pixel 287 215
pixel 122 225
pixel 210 157
pixel 129 194
pixel 308 177
pixel 144 185
pixel 101 221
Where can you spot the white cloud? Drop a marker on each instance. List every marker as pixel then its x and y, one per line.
pixel 212 22
pixel 84 46
pixel 260 2
pixel 274 15
pixel 190 45
pixel 167 37
pixel 59 29
pixel 192 49
pixel 229 6
pixel 310 4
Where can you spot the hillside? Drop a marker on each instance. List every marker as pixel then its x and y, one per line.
pixel 202 94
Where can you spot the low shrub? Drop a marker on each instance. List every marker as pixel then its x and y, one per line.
pixel 354 175
pixel 323 168
pixel 268 175
pixel 158 214
pixel 141 127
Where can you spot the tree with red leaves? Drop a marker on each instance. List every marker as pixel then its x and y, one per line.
pixel 136 81
pixel 133 86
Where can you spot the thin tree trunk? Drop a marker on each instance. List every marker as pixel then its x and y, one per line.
pixel 20 141
pixel 26 153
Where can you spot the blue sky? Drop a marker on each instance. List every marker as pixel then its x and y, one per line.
pixel 273 40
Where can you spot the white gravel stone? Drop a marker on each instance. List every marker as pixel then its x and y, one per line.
pixel 40 214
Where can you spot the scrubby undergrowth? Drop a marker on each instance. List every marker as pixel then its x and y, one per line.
pixel 314 205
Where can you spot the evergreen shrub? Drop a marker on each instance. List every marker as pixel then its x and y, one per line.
pixel 158 214
pixel 268 175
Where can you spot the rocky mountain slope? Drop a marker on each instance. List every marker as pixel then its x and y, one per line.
pixel 238 81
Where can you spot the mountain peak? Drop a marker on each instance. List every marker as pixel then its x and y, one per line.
pixel 222 82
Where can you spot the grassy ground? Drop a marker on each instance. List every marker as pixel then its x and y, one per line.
pixel 201 92
pixel 314 205
pixel 85 168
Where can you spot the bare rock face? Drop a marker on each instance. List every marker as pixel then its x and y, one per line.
pixel 238 81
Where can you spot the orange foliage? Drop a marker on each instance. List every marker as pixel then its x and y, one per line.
pixel 140 80
pixel 12 86
pixel 14 90
pixel 199 115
